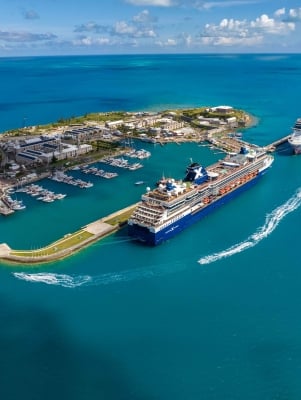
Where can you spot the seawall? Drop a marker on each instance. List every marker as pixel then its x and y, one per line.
pixel 70 243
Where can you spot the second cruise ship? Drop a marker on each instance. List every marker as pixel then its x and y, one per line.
pixel 295 139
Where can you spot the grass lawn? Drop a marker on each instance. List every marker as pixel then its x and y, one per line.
pixel 65 243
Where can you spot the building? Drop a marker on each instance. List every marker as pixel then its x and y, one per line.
pixel 44 148
pixel 222 109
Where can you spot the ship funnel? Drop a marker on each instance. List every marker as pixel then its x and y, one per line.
pixel 196 173
pixel 244 150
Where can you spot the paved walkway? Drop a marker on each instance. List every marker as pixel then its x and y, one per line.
pixel 98 228
pixel 4 250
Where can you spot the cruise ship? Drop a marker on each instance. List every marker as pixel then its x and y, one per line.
pixel 295 139
pixel 173 205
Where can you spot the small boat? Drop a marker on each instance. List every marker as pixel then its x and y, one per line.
pixel 139 183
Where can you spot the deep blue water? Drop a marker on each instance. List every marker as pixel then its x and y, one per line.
pixel 211 314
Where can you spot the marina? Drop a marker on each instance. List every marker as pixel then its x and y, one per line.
pixel 11 204
pixel 98 172
pixel 8 205
pixel 121 162
pixel 62 177
pixel 40 193
pixel 140 154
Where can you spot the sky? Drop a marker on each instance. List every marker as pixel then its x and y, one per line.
pixel 71 27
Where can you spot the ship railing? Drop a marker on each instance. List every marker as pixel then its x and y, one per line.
pixel 238 174
pixel 146 214
pixel 152 210
pixel 144 220
pixel 155 207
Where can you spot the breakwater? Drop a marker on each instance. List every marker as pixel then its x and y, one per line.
pixel 70 243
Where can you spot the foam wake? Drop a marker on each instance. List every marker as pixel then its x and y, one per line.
pixel 55 279
pixel 73 281
pixel 271 222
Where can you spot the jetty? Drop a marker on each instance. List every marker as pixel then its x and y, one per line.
pixel 70 243
pixel 273 146
pixel 231 144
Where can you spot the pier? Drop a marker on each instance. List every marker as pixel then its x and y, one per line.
pixel 273 146
pixel 70 243
pixel 227 144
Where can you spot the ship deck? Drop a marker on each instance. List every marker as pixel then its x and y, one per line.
pixel 218 173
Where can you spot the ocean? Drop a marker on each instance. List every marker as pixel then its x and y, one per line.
pixel 211 314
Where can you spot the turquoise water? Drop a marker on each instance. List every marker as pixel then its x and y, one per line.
pixel 210 314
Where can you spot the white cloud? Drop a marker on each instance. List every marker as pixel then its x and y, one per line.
pixel 144 17
pixel 231 32
pixel 89 41
pixel 231 3
pixel 167 43
pixel 294 15
pixel 280 12
pixel 90 26
pixel 122 28
pixel 232 41
pixel 188 40
pixel 198 4
pixel 271 26
pixel 160 3
pixel 21 37
pixel 142 25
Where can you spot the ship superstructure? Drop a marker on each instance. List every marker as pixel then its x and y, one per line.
pixel 295 139
pixel 175 204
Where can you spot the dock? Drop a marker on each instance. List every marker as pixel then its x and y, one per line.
pixel 4 209
pixel 273 146
pixel 233 144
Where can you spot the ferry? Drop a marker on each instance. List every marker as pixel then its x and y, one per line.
pixel 173 205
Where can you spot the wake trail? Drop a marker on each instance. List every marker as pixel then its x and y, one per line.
pixel 74 281
pixel 271 222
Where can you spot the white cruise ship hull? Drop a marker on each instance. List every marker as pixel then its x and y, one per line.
pixel 156 235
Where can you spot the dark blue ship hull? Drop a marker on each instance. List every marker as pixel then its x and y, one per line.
pixel 144 235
